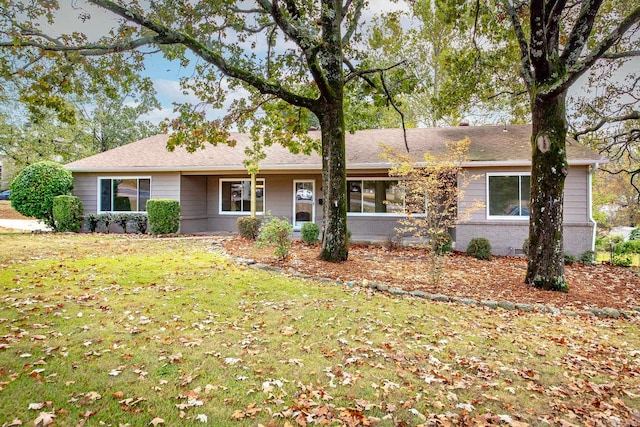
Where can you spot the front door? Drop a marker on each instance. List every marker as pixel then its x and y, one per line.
pixel 304 207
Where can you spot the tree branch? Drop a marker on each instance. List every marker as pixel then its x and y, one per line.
pixel 580 32
pixel 634 115
pixel 621 55
pixel 575 72
pixel 525 61
pixel 168 36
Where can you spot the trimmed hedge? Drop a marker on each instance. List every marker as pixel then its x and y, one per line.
pixel 34 188
pixel 67 213
pixel 163 216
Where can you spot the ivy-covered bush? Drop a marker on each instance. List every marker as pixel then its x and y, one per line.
pixel 249 227
pixel 635 234
pixel 67 213
pixel 276 232
pixel 140 222
pixel 479 248
pixel 106 219
pixel 92 222
pixel 122 220
pixel 35 187
pixel 163 216
pixel 624 260
pixel 310 233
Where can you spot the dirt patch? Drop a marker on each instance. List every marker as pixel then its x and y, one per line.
pixel 502 278
pixel 7 212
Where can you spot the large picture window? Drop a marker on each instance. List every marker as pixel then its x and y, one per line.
pixel 381 196
pixel 124 194
pixel 508 196
pixel 235 196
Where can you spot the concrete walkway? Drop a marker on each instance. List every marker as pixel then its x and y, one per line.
pixel 23 224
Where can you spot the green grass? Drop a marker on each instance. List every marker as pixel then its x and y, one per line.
pixel 123 330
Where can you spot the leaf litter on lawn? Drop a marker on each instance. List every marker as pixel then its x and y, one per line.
pixel 194 339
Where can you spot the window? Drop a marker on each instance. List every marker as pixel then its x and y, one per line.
pixel 508 196
pixel 235 196
pixel 375 196
pixel 124 194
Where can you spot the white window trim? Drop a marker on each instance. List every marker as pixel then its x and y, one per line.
pixel 376 214
pixel 505 217
pixel 241 213
pixel 99 196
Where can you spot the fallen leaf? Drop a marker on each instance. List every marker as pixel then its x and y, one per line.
pixel 44 419
pixel 156 421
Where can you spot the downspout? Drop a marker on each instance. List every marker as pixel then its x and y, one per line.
pixel 592 170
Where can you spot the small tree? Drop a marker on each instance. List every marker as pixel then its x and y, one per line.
pixel 276 232
pixel 35 187
pixel 432 190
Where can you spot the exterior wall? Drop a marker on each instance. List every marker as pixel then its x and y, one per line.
pixel 508 236
pixel 193 204
pixel 278 199
pixel 163 186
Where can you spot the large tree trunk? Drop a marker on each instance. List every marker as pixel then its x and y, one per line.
pixel 545 267
pixel 334 183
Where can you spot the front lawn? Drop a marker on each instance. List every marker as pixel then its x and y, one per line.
pixel 129 330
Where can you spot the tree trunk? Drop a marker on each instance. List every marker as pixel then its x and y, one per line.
pixel 334 183
pixel 545 266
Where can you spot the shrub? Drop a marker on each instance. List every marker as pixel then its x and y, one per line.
pixel 393 242
pixel 310 232
pixel 622 260
pixel 122 220
pixel 249 227
pixel 588 257
pixel 635 234
pixel 628 247
pixel 569 259
pixel 479 248
pixel 276 232
pixel 92 222
pixel 139 222
pixel 163 216
pixel 67 213
pixel 34 188
pixel 106 219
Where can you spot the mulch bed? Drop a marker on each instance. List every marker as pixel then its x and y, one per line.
pixel 501 279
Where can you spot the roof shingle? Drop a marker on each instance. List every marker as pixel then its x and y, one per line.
pixel 499 145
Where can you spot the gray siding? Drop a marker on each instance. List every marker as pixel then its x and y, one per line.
pixel 163 186
pixel 508 236
pixel 193 204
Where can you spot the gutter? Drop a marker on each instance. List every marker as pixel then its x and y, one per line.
pixel 592 170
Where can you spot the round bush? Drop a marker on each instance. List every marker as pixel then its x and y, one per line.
pixel 163 215
pixel 67 213
pixel 310 232
pixel 35 187
pixel 249 227
pixel 479 248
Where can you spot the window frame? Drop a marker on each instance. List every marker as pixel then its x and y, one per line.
pixel 488 195
pixel 111 178
pixel 373 214
pixel 259 181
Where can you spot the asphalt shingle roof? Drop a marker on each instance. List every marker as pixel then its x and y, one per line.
pixel 496 145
